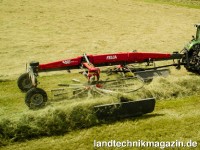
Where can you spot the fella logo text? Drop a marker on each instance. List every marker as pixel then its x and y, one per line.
pixel 111 57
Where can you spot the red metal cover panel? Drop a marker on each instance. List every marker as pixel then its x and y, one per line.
pixel 61 64
pixel 117 58
pixel 108 58
pixel 142 56
pixel 130 57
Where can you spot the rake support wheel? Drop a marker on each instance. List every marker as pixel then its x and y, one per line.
pixel 36 98
pixel 24 82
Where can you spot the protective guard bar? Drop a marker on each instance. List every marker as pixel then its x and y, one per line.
pixel 125 109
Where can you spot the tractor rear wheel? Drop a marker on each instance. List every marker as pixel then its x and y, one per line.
pixel 194 59
pixel 24 82
pixel 36 98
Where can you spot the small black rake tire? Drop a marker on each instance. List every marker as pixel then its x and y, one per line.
pixel 36 98
pixel 24 82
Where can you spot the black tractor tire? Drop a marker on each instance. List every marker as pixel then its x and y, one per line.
pixel 36 98
pixel 24 82
pixel 194 59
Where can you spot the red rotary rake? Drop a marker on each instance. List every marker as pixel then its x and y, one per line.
pixel 123 62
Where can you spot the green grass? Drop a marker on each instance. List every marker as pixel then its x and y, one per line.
pixel 18 123
pixel 175 119
pixel 51 30
pixel 183 3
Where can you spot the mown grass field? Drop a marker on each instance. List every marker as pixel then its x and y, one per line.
pixel 174 119
pixel 52 30
pixel 48 31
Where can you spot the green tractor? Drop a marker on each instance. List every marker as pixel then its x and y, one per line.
pixel 192 53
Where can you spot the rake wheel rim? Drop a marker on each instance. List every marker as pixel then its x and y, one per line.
pixel 37 99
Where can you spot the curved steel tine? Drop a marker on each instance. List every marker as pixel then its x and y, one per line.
pixel 99 92
pixel 79 93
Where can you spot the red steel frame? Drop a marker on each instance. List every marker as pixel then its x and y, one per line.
pixel 90 61
pixel 105 60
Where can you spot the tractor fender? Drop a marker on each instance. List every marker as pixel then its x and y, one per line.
pixel 191 44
